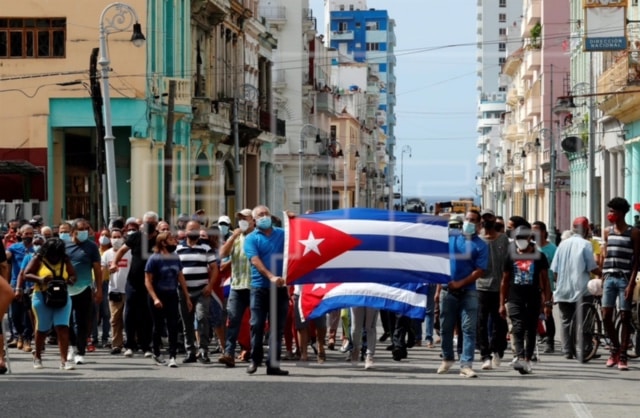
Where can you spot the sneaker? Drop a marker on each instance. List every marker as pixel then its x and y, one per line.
pixel 549 350
pixel 622 363
pixel 496 360
pixel 368 362
pixel 67 366
pixel 78 359
pixel 91 346
pixel 12 343
pixel 445 366
pixel 613 359
pixel 227 360
pixel 172 363
pixel 487 365
pixel 37 363
pixel 467 371
pixel 526 367
pixel 203 357
pixel 116 350
pixel 19 343
pixel 159 360
pixel 26 346
pixel 516 364
pixel 190 358
pixel 71 353
pixel 148 354
pixel 128 352
pixel 347 346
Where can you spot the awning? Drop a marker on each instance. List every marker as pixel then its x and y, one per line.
pixel 19 167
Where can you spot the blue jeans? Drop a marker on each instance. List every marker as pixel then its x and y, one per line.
pixel 260 305
pixel 430 315
pixel 102 314
pixel 613 288
pixel 464 305
pixel 239 301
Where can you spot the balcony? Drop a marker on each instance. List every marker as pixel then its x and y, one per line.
pixel 533 106
pixel 274 15
pixel 160 87
pixel 482 160
pixel 325 102
pixel 279 80
pixel 532 59
pixel 342 35
pixel 269 123
pixel 482 140
pixel 618 81
pixel 531 15
pixel 212 116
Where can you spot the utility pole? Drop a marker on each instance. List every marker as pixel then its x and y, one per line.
pixel 96 100
pixel 236 158
pixel 168 154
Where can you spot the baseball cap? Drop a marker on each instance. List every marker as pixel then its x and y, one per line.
pixel 224 219
pixel 36 221
pixel 245 212
pixel 522 232
pixel 455 220
pixel 582 222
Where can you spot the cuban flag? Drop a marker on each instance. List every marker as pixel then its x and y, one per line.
pixel 367 246
pixel 408 299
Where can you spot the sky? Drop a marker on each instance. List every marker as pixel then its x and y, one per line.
pixel 436 94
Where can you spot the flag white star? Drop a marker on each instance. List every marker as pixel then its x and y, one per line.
pixel 311 244
pixel 319 286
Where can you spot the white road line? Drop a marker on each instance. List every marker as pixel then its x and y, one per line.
pixel 579 408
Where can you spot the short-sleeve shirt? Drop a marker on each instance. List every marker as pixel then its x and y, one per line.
pixel 572 263
pixel 196 262
pixel 240 265
pixel 270 249
pixel 467 255
pixel 18 251
pixel 82 256
pixel 117 280
pixel 25 262
pixel 524 273
pixel 139 257
pixel 165 269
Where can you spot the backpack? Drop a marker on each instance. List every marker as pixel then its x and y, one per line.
pixel 56 294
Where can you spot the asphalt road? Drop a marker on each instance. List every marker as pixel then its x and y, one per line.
pixel 115 386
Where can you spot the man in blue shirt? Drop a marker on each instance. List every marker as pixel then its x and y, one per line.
pixel 264 248
pixel 469 256
pixel 19 313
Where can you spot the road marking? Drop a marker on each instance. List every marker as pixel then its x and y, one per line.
pixel 579 408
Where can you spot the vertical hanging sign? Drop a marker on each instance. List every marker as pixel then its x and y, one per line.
pixel 605 25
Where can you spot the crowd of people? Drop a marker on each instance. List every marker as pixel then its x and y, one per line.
pixel 143 287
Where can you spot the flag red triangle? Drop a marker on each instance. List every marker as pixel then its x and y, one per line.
pixel 311 244
pixel 311 296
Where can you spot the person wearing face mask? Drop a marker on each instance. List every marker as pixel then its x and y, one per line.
pixel 492 345
pixel 85 258
pixel 20 316
pixel 224 225
pixel 117 281
pixel 137 317
pixel 524 280
pixel 200 272
pixel 239 296
pixel 102 315
pixel 468 256
pixel 264 248
pixel 513 223
pixel 619 268
pixel 163 278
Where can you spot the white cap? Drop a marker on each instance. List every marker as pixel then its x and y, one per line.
pixel 224 219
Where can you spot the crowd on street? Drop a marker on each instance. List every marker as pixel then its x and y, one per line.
pixel 180 293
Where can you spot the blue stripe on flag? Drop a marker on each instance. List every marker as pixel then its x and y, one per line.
pixel 349 301
pixel 377 275
pixel 402 245
pixel 377 214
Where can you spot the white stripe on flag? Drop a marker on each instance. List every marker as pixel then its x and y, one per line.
pixel 378 290
pixel 390 228
pixel 389 260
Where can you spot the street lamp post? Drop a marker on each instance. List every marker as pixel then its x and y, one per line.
pixel 306 130
pixel 124 18
pixel 405 149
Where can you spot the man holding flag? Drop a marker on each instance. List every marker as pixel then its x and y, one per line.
pixel 469 259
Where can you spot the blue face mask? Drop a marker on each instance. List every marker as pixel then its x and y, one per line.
pixel 468 228
pixel 83 236
pixel 65 236
pixel 224 229
pixel 36 248
pixel 264 222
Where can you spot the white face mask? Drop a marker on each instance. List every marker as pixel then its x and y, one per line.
pixel 243 225
pixel 104 240
pixel 116 243
pixel 522 244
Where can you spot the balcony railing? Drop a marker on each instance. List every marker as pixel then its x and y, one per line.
pixel 614 83
pixel 325 102
pixel 274 13
pixel 269 123
pixel 342 35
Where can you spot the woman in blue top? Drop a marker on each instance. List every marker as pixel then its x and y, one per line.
pixel 163 275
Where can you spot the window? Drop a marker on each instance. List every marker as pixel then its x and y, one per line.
pixel 502 46
pixel 358 25
pixel 32 38
pixel 341 7
pixel 502 3
pixel 502 31
pixel 351 7
pixel 502 60
pixel 342 26
pixel 502 17
pixel 502 88
pixel 372 26
pixel 373 46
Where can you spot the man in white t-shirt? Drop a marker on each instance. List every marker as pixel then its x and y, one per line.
pixel 117 284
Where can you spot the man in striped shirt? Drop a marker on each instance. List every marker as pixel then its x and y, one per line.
pixel 620 267
pixel 239 297
pixel 201 274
